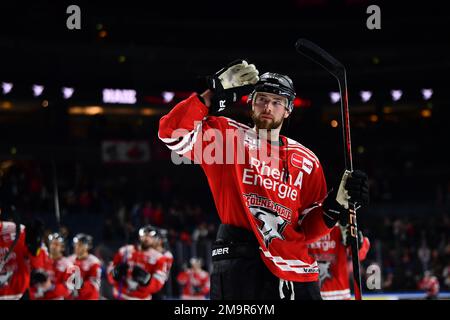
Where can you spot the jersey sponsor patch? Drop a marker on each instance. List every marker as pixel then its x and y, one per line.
pixel 296 161
pixel 302 163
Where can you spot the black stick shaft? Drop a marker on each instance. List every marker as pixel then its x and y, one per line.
pixel 333 66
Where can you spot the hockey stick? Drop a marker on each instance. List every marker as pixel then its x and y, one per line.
pixel 56 194
pixel 337 69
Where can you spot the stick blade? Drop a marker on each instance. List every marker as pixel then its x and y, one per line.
pixel 320 56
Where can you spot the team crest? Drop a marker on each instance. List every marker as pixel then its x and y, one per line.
pixel 324 271
pixel 271 224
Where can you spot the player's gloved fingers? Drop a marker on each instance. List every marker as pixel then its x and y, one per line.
pixel 253 68
pixel 251 76
pixel 245 71
pixel 355 184
pixel 359 174
pixel 365 189
pixel 238 67
pixel 248 68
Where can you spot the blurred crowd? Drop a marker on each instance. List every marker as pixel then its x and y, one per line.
pixel 409 247
pixel 113 208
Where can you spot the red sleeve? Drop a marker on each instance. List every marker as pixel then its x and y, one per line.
pixel 39 260
pixel 186 129
pixel 159 277
pixel 59 291
pixel 314 191
pixel 364 249
pixel 91 285
pixel 205 285
pixel 182 278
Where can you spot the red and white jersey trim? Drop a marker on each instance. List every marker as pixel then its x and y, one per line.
pixel 336 295
pixel 187 141
pixel 11 297
pixel 296 266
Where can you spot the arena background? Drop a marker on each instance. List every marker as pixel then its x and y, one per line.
pixel 113 174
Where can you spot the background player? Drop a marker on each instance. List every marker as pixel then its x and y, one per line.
pixel 138 271
pixel 194 281
pixel 87 269
pixel 331 252
pixel 49 278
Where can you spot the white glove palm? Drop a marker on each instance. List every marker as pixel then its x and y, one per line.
pixel 342 194
pixel 239 75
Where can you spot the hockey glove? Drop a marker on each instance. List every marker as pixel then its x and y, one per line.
pixel 230 83
pixel 141 276
pixel 120 271
pixel 38 276
pixel 33 236
pixel 354 188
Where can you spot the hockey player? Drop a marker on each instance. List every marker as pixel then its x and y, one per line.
pixel 15 269
pixel 138 271
pixel 51 273
pixel 85 277
pixel 331 252
pixel 269 190
pixel 430 284
pixel 194 281
pixel 161 244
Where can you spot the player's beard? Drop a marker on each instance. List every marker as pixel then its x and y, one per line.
pixel 267 124
pixel 145 246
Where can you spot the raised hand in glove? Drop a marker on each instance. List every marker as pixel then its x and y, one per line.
pixel 230 83
pixel 141 276
pixel 354 188
pixel 120 271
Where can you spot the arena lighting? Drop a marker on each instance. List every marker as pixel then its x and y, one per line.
pixel 7 87
pixel 396 95
pixel 365 95
pixel 427 94
pixel 86 110
pixel 168 96
pixel 124 96
pixel 37 90
pixel 67 92
pixel 335 97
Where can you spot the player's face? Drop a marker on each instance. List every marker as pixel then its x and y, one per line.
pixel 269 110
pixel 147 241
pixel 80 249
pixel 56 247
pixel 196 265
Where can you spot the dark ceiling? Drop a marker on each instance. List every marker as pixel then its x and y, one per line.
pixel 167 44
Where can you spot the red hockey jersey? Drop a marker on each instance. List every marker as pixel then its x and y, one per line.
pixel 332 256
pixel 89 271
pixel 58 272
pixel 15 276
pixel 168 261
pixel 431 286
pixel 249 188
pixel 151 260
pixel 195 284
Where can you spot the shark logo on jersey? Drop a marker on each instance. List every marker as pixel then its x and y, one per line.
pixel 4 277
pixel 324 271
pixel 272 225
